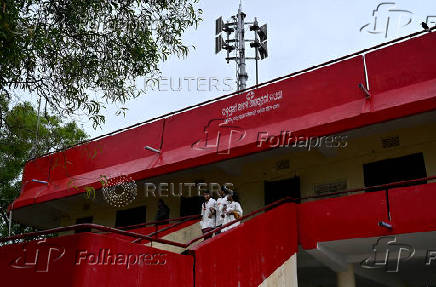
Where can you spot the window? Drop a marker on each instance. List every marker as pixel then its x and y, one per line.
pixel 395 169
pixel 131 216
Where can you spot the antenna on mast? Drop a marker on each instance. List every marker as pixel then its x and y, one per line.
pixel 235 42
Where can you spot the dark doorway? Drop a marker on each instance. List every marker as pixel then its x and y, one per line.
pixel 275 190
pixel 395 169
pixel 131 216
pixel 191 205
pixel 82 220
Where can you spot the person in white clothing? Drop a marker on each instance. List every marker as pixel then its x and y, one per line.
pixel 220 202
pixel 208 214
pixel 232 210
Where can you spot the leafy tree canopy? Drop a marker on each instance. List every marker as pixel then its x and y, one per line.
pixel 83 54
pixel 21 137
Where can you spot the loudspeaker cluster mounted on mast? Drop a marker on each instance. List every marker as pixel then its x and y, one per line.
pixel 230 36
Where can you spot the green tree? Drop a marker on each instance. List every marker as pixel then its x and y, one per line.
pixel 24 135
pixel 83 54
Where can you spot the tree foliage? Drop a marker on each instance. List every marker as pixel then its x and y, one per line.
pixel 21 137
pixel 82 54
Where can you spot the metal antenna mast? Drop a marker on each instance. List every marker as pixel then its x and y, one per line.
pixel 236 28
pixel 242 73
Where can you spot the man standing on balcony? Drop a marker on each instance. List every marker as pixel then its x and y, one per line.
pixel 220 202
pixel 208 214
pixel 232 210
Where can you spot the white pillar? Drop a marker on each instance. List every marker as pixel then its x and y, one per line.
pixel 346 278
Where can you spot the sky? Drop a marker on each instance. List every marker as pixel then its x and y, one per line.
pixel 300 34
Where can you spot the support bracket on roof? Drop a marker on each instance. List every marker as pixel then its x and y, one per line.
pixel 365 90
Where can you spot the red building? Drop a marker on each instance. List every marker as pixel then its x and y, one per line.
pixel 334 167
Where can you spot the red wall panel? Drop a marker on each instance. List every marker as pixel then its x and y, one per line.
pixel 247 255
pixel 83 165
pixel 347 217
pixel 357 216
pixel 402 64
pixel 84 260
pixel 412 208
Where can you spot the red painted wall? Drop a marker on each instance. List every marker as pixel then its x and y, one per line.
pixel 409 63
pixel 79 260
pixel 357 216
pixel 325 101
pixel 341 218
pixel 413 209
pixel 247 255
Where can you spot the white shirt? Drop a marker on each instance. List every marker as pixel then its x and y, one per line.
pixel 219 210
pixel 231 206
pixel 205 212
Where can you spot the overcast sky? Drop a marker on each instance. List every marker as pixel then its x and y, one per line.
pixel 300 34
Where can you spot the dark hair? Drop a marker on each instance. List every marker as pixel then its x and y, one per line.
pixel 225 189
pixel 215 195
pixel 235 196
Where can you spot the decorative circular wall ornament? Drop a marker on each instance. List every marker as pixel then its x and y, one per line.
pixel 119 191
